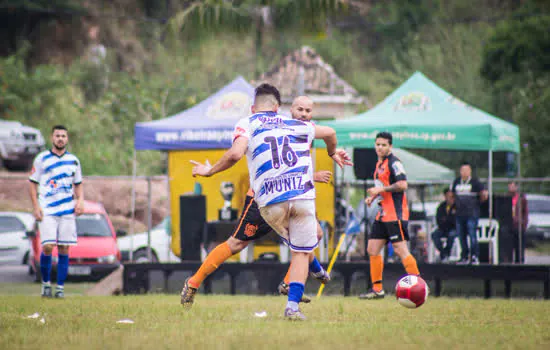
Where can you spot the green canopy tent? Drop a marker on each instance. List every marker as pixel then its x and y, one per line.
pixel 420 114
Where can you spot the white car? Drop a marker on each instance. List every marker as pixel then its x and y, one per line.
pixel 14 243
pixel 19 144
pixel 160 245
pixel 538 228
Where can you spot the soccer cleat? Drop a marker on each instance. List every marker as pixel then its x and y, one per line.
pixel 372 294
pixel 46 291
pixel 294 315
pixel 188 295
pixel 283 290
pixel 60 293
pixel 463 262
pixel 322 276
pixel 475 260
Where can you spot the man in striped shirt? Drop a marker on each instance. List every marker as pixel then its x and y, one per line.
pixel 252 226
pixel 57 196
pixel 280 169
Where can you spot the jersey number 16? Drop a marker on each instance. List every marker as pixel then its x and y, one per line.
pixel 287 154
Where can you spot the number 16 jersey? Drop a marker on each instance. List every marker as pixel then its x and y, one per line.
pixel 278 155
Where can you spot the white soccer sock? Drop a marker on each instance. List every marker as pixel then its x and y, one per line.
pixel 292 305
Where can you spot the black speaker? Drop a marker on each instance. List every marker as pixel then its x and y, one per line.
pixel 192 226
pixel 364 163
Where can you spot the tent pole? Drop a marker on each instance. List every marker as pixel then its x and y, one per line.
pixel 520 214
pixel 168 255
pixel 149 218
pixel 133 207
pixel 490 184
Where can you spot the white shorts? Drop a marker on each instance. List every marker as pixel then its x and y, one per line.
pixel 295 222
pixel 59 230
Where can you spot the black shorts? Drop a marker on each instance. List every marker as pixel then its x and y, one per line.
pixel 393 231
pixel 251 225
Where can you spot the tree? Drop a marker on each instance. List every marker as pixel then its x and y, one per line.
pixel 199 17
pixel 516 62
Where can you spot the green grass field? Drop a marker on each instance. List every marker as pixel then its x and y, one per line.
pixel 228 322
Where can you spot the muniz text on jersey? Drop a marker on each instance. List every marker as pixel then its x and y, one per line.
pixel 283 183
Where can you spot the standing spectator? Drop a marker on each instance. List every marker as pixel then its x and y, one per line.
pixel 56 195
pixel 446 225
pixel 519 205
pixel 469 193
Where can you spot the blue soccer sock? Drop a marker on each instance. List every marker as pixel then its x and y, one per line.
pixel 315 266
pixel 45 267
pixel 62 269
pixel 295 292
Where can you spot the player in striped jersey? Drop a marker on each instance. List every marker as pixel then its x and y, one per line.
pixel 57 196
pixel 280 170
pixel 251 226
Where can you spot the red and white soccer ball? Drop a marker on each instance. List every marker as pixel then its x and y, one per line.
pixel 411 291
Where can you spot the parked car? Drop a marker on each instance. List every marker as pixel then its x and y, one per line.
pixel 14 243
pixel 538 228
pixel 95 256
pixel 161 239
pixel 19 144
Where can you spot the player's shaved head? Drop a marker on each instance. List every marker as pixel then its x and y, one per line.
pixel 302 108
pixel 302 100
pixel 266 98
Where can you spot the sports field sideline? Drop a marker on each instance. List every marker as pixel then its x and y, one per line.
pixel 229 322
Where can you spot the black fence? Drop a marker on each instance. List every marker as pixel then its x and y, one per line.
pixel 265 276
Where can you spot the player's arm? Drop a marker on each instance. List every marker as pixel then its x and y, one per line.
pixel 397 172
pixel 399 186
pixel 328 135
pixel 79 196
pixel 229 158
pixel 34 180
pixel 78 190
pixel 33 191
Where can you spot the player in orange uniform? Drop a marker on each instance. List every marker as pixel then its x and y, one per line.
pixel 391 222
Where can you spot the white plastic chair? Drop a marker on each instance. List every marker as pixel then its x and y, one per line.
pixel 487 232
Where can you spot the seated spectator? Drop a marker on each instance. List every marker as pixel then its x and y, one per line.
pixel 446 225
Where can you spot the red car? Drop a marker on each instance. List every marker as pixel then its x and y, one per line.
pixel 95 256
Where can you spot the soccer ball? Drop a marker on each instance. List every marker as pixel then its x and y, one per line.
pixel 411 291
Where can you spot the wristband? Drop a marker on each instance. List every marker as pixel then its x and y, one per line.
pixel 330 155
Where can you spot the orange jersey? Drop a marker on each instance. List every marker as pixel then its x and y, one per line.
pixel 394 204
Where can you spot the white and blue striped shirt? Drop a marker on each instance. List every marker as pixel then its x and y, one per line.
pixel 278 155
pixel 56 177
